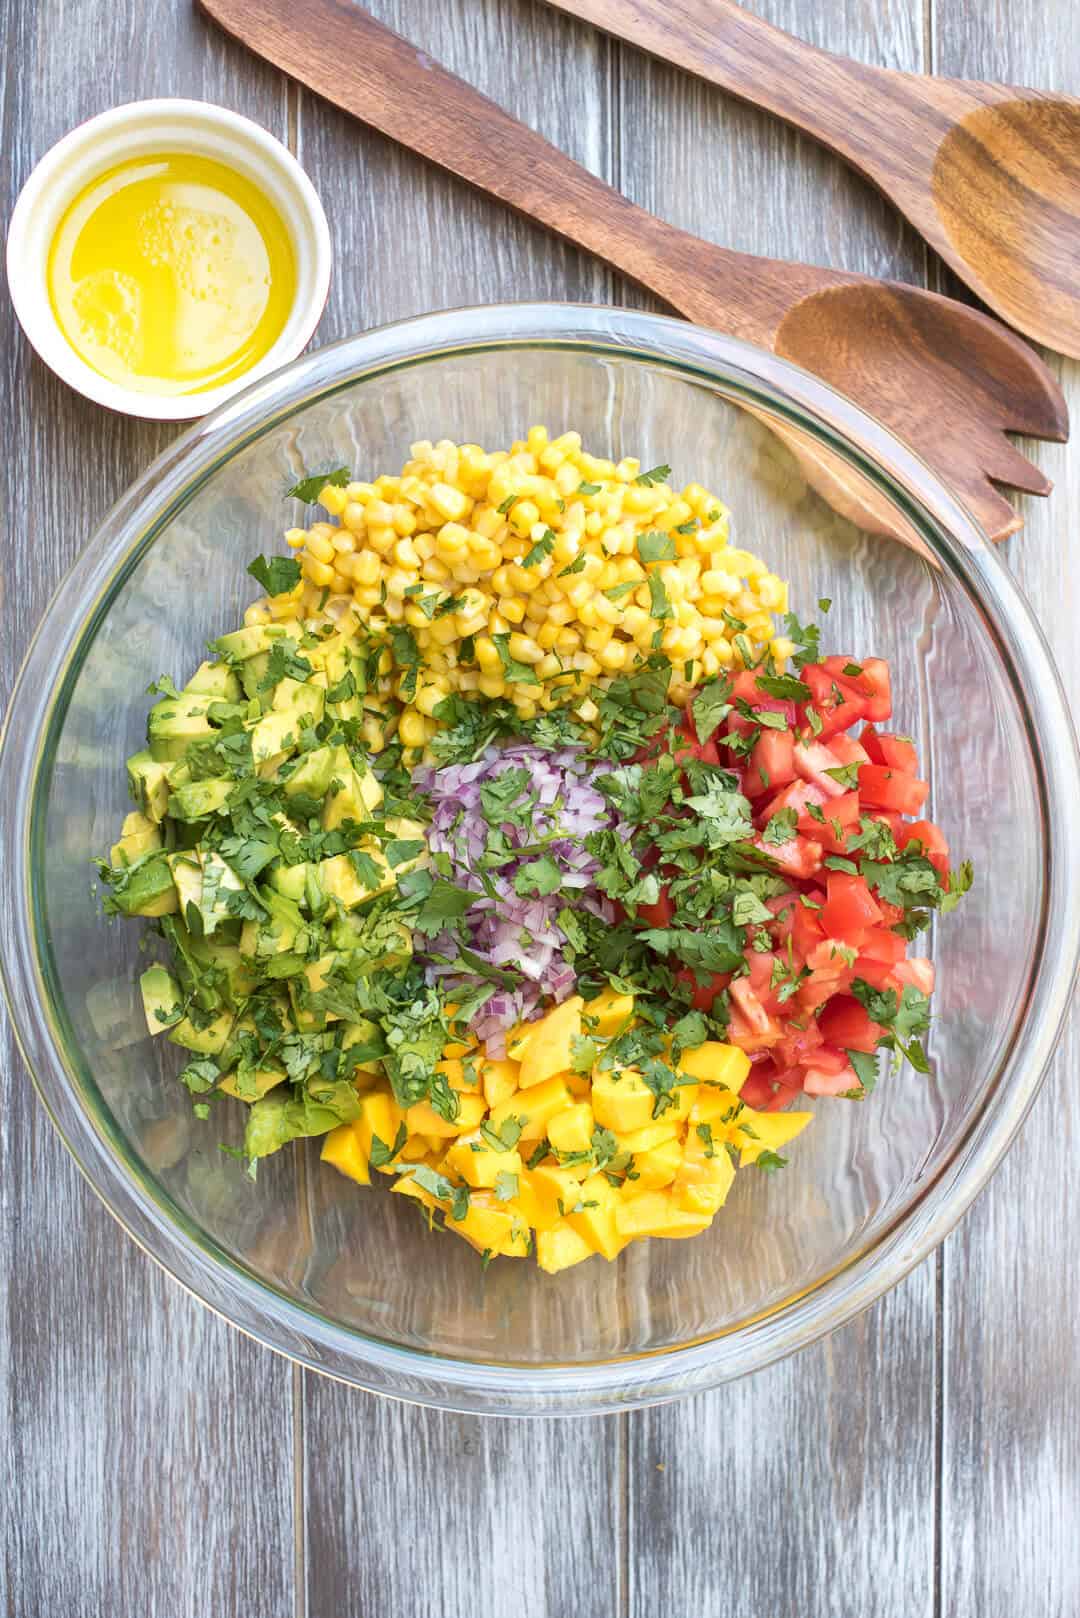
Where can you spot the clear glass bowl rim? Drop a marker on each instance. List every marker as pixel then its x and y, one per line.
pixel 36 713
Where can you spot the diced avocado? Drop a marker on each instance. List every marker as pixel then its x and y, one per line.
pixel 148 784
pixel 218 879
pixel 367 1040
pixel 198 800
pixel 313 773
pixel 162 1001
pixel 290 880
pixel 208 1041
pixel 274 733
pixel 253 639
pixel 282 930
pixel 149 890
pixel 174 723
pixel 299 697
pixel 253 672
pixel 408 831
pixel 263 1080
pixel 229 957
pixel 341 880
pixel 177 773
pixel 186 868
pixel 281 1117
pixel 357 795
pixel 138 836
pixel 216 681
pixel 311 980
pixel 332 657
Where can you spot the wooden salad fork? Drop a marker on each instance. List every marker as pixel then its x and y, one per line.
pixel 989 174
pixel 947 379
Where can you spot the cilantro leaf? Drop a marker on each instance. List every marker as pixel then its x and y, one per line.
pixel 711 707
pixel 659 605
pixel 583 1053
pixel 806 638
pixel 658 474
pixel 656 547
pixel 769 1162
pixel 785 687
pixel 543 547
pixel 381 1154
pixel 866 1070
pixel 309 488
pixel 540 877
pixel 781 827
pixel 277 576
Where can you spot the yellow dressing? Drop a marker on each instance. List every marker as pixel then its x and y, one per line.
pixel 171 273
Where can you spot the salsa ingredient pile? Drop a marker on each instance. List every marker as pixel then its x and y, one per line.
pixel 554 943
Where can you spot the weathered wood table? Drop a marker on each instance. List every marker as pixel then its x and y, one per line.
pixel 926 1460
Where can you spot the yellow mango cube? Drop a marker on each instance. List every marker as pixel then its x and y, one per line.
pixel 555 1190
pixel 715 1105
pixel 415 1150
pixel 654 1168
pixel 498 1079
pixel 572 1130
pixel 593 1216
pixel 717 1063
pixel 422 1119
pixel 560 1247
pixel 623 1102
pixel 655 1134
pixel 534 1110
pixel 473 1160
pixel 380 1116
pixel 771 1131
pixel 609 1013
pixel 703 1181
pixel 458 1076
pixel 656 1214
pixel 491 1226
pixel 342 1148
pixel 549 1044
pixel 518 1038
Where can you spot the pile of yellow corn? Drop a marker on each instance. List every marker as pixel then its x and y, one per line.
pixel 520 1164
pixel 540 558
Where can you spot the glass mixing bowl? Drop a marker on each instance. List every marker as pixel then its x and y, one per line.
pixel 346 1280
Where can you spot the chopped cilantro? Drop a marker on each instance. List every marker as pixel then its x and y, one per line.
pixel 656 547
pixel 657 474
pixel 311 486
pixel 278 576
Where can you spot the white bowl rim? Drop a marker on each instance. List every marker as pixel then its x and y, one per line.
pixel 71 162
pixel 249 1302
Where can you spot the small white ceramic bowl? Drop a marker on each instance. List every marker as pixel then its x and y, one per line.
pixel 162 126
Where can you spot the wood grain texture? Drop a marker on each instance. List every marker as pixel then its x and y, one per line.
pixel 988 173
pixel 140 1436
pixel 946 379
pixel 1011 1408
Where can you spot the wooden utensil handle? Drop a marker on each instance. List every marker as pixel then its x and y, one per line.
pixel 840 102
pixel 342 53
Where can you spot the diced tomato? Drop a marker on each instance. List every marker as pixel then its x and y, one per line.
pixel 932 839
pixel 797 857
pixel 884 747
pixel 846 750
pixel 760 964
pixel 806 928
pixel 836 702
pixel 795 796
pixel 751 1038
pixel 658 914
pixel 772 762
pixel 702 995
pixel 879 944
pixel 875 678
pixel 768 1088
pixel 692 750
pixel 879 974
pixel 850 907
pixel 918 971
pixel 885 788
pixel 798 1044
pixel 838 820
pixel 813 761
pixel 818 1081
pixel 750 1005
pixel 847 1025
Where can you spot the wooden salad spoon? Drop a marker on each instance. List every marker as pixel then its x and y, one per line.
pixel 944 377
pixel 989 174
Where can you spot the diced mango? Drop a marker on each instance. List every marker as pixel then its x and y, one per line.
pixel 609 1013
pixel 654 1134
pixel 771 1131
pixel 422 1119
pixel 560 1247
pixel 654 1168
pixel 473 1160
pixel 656 1214
pixel 342 1148
pixel 717 1063
pixel 549 1044
pixel 703 1181
pixel 379 1116
pixel 518 1038
pixel 499 1080
pixel 715 1105
pixel 623 1102
pixel 491 1226
pixel 533 1110
pixel 458 1076
pixel 593 1216
pixel 415 1150
pixel 556 1190
pixel 571 1131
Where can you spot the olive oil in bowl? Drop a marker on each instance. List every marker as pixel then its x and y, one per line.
pixel 171 274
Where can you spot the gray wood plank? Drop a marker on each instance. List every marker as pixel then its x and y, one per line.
pixel 502 1516
pixel 809 1489
pixel 147 1446
pixel 1012 1289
